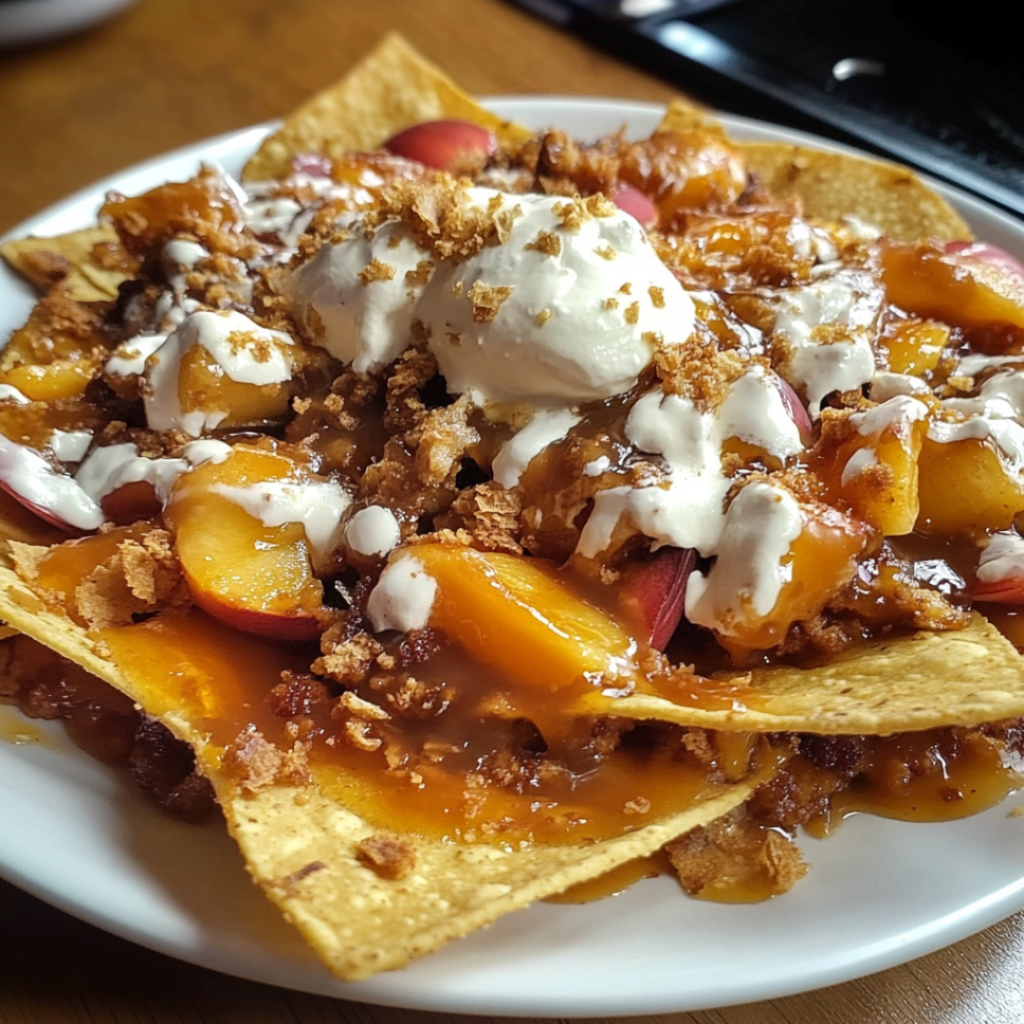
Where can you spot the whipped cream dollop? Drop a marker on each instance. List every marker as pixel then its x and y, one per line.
pixel 567 303
pixel 1002 558
pixel 357 297
pixel 568 308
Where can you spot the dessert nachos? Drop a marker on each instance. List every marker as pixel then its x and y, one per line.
pixel 472 512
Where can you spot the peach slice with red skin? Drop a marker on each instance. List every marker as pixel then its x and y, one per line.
pixel 653 594
pixel 252 577
pixel 1008 590
pixel 632 201
pixel 517 616
pixel 37 510
pixel 442 144
pixel 954 287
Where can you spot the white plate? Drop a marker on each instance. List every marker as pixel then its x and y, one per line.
pixel 879 893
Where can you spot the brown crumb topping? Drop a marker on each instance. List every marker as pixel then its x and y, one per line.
pixel 389 856
pixel 255 763
pixel 376 270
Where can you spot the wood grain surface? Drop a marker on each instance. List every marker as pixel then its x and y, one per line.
pixel 170 72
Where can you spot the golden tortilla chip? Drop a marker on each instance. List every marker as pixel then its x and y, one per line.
pixel 309 854
pixel 391 89
pixel 835 185
pixel 683 115
pixel 889 684
pixel 359 923
pixel 70 260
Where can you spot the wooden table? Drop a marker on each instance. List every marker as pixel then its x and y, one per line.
pixel 169 72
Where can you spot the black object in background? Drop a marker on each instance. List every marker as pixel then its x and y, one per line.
pixel 939 87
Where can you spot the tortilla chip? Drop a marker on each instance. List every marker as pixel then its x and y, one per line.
pixel 71 261
pixel 834 185
pixel 683 115
pixel 308 853
pixel 305 859
pixel 391 89
pixel 890 684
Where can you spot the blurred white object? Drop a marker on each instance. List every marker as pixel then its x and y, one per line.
pixel 30 21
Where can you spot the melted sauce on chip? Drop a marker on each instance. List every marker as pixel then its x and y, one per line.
pixel 464 774
pixel 935 775
pixel 616 881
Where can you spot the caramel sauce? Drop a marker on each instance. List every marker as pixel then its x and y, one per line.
pixel 1008 620
pixel 14 729
pixel 935 775
pixel 486 758
pixel 616 881
pixel 64 567
pixel 728 692
pixel 432 776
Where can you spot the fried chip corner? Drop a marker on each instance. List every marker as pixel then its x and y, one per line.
pixel 308 853
pixel 907 683
pixel 71 261
pixel 391 89
pixel 836 185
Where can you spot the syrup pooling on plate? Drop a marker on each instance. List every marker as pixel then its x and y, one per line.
pixel 421 449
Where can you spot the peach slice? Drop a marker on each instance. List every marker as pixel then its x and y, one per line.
pixel 442 144
pixel 966 489
pixel 1009 590
pixel 204 386
pixel 46 382
pixel 54 497
pixel 632 201
pixel 958 290
pixel 252 577
pixel 520 619
pixel 37 510
pixel 653 593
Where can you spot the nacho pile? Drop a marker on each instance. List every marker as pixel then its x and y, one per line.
pixel 473 512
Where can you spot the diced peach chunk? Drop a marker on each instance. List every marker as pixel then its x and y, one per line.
pixel 966 488
pixel 820 561
pixel 915 346
pixel 204 386
pixel 520 619
pixel 47 382
pixel 877 476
